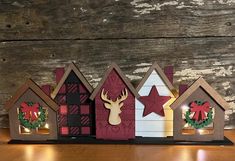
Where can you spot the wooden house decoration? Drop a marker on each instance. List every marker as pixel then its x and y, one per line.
pixel 76 111
pixel 154 117
pixel 115 106
pixel 32 114
pixel 199 113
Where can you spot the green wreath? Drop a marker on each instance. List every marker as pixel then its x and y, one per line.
pixel 34 124
pixel 196 124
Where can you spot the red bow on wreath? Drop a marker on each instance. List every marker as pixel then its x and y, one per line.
pixel 200 110
pixel 30 111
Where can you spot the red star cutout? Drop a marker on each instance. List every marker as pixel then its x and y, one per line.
pixel 153 102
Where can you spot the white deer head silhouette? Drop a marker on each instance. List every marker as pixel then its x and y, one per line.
pixel 114 106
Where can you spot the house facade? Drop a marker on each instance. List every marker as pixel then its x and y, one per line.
pixel 199 113
pixel 32 114
pixel 154 117
pixel 115 106
pixel 76 110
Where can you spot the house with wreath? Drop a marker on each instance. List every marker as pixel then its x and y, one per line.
pixel 115 106
pixel 154 117
pixel 199 113
pixel 76 111
pixel 32 114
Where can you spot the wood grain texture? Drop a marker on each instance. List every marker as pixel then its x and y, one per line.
pixel 88 19
pixel 212 57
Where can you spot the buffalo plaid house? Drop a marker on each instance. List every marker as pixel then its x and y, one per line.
pixel 76 112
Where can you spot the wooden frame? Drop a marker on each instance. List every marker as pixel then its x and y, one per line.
pixel 30 91
pixel 200 89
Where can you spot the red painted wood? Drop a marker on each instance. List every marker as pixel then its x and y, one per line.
pixel 62 89
pixel 169 71
pixel 153 102
pixel 182 88
pixel 126 129
pixel 63 110
pixel 84 109
pixel 86 130
pixel 64 130
pixel 59 72
pixel 46 89
pixel 82 89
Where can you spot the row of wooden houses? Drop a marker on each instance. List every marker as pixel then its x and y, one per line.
pixel 115 109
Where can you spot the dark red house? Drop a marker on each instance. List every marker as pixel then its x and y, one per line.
pixel 115 106
pixel 76 111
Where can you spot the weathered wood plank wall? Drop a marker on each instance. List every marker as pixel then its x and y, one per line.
pixel 196 36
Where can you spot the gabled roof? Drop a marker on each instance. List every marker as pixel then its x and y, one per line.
pixel 200 82
pixel 30 84
pixel 71 67
pixel 158 69
pixel 123 77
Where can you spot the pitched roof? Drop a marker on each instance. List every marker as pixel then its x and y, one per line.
pixel 200 82
pixel 71 67
pixel 123 77
pixel 158 69
pixel 30 84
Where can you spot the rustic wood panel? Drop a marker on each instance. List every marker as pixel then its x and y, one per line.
pixel 212 57
pixel 89 19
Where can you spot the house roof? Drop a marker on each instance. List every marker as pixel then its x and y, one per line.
pixel 30 84
pixel 200 82
pixel 123 77
pixel 71 67
pixel 158 69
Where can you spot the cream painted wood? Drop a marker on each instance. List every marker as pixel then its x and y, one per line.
pixel 154 133
pixel 154 125
pixel 154 116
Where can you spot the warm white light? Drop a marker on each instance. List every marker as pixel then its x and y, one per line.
pixel 201 131
pixel 26 130
pixel 46 126
pixel 185 107
pixel 201 155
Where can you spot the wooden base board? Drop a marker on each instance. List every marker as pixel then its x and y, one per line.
pixel 137 140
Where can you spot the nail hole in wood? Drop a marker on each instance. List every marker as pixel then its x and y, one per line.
pixel 228 23
pixel 3 59
pixel 52 55
pixel 8 26
pixel 27 22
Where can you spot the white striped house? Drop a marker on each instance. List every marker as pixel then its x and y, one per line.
pixel 154 125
